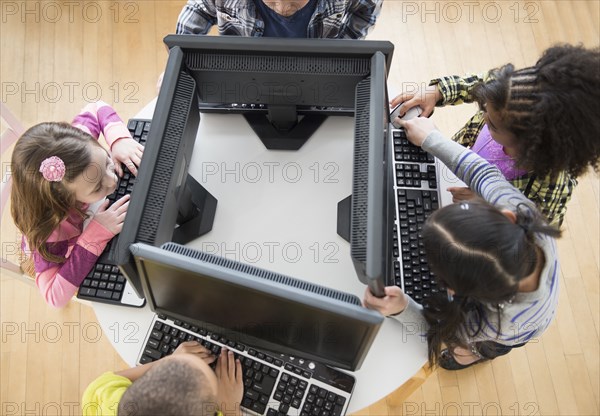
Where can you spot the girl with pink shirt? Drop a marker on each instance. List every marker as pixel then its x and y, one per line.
pixel 58 171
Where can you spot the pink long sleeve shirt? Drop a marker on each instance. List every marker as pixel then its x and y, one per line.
pixel 58 282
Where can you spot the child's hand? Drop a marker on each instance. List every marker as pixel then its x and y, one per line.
pixel 231 387
pixel 129 152
pixel 112 217
pixel 460 193
pixel 417 129
pixel 193 347
pixel 426 99
pixel 394 301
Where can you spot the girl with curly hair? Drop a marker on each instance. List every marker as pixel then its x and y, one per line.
pixel 58 170
pixel 538 125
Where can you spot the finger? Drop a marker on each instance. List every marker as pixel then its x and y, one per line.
pixel 231 365
pixel 426 111
pixel 403 124
pixel 209 359
pixel 120 201
pixel 104 206
pixel 131 165
pixel 238 371
pixel 457 189
pixel 121 208
pixel 408 104
pixel 136 159
pixel 392 291
pixel 401 98
pixel 118 169
pixel 222 365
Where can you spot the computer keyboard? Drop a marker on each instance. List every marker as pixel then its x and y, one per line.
pixel 274 384
pixel 105 283
pixel 417 196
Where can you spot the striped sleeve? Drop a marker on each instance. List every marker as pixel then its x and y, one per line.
pixel 59 282
pixel 99 117
pixel 482 177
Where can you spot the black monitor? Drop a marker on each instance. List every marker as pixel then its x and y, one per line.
pixel 285 88
pixel 167 204
pixel 257 307
pixel 366 218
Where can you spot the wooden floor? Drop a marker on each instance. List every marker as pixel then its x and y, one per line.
pixel 58 55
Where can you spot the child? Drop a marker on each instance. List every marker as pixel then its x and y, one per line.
pixel 498 263
pixel 180 384
pixel 538 125
pixel 58 170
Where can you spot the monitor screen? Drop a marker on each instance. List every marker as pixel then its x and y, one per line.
pixel 257 307
pixel 284 87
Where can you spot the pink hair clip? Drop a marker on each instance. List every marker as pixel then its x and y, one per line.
pixel 53 169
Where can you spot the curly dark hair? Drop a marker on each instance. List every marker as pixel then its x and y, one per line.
pixel 552 108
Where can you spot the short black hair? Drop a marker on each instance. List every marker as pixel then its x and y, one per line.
pixel 171 387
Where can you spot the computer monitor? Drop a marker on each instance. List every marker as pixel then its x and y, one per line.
pixel 167 204
pixel 257 307
pixel 366 218
pixel 285 88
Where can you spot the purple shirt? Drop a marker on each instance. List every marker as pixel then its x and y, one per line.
pixel 486 147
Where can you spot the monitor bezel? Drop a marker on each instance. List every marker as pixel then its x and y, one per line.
pixel 373 320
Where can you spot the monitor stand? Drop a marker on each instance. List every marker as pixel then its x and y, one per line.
pixel 196 215
pixel 280 128
pixel 343 217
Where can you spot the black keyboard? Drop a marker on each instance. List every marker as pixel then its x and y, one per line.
pixel 274 384
pixel 105 283
pixel 417 196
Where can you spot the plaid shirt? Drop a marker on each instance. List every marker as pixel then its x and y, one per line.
pixel 336 19
pixel 550 194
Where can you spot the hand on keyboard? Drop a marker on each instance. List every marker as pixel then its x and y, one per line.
pixel 417 129
pixel 129 152
pixel 461 193
pixel 194 347
pixel 230 383
pixel 112 217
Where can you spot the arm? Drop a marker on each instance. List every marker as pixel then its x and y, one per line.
pixel 361 17
pixel 483 178
pixel 551 195
pixel 59 282
pixel 99 117
pixel 467 135
pixel 197 17
pixel 395 303
pixel 456 89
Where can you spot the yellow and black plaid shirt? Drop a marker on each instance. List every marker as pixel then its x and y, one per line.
pixel 550 194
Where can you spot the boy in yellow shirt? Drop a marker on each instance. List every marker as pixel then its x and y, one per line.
pixel 180 384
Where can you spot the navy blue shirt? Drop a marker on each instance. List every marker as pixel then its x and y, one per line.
pixel 278 26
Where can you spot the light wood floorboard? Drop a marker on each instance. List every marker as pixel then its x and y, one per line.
pixel 51 65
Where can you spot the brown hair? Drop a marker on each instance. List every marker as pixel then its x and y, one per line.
pixel 37 205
